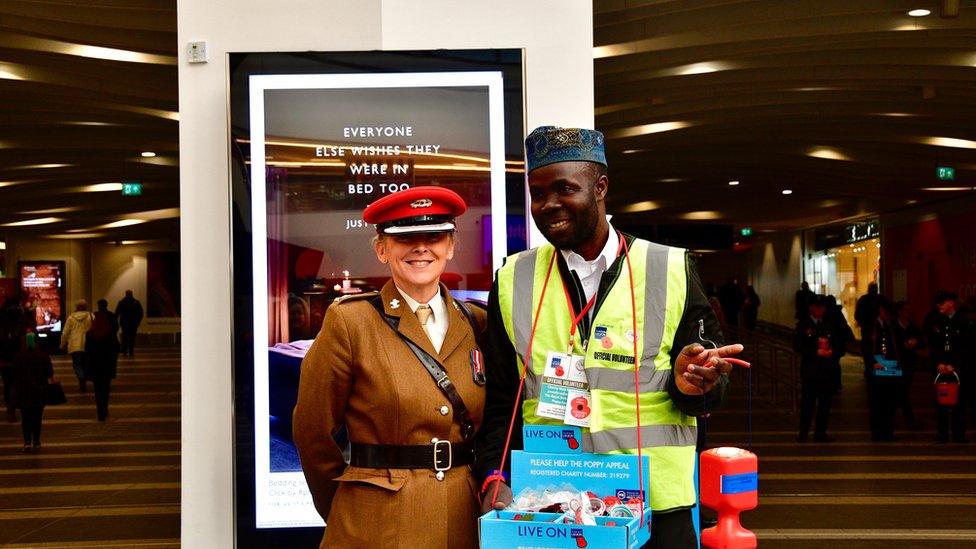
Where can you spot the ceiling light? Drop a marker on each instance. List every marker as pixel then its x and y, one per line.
pixel 99 188
pixel 640 207
pixel 921 12
pixel 37 221
pixel 671 180
pixel 631 151
pixel 701 68
pixel 65 209
pixel 122 223
pixel 733 183
pixel 947 188
pixel 701 215
pixel 38 166
pixel 75 235
pixel 827 153
pixel 165 213
pixel 148 154
pixel 646 129
pixel 787 191
pixel 3 245
pixel 950 142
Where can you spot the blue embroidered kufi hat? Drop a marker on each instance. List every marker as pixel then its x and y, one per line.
pixel 550 144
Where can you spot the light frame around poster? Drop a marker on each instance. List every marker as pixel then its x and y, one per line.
pixel 258 85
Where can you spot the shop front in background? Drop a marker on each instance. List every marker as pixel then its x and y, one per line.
pixel 846 258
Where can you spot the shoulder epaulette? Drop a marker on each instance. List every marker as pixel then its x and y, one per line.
pixel 354 297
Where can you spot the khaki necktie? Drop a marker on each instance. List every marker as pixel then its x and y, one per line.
pixel 424 313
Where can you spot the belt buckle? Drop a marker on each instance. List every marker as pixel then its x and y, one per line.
pixel 438 448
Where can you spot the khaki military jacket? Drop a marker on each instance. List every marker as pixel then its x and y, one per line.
pixel 361 374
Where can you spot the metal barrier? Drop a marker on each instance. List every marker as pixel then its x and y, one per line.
pixel 775 366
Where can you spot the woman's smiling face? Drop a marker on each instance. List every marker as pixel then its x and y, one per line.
pixel 416 261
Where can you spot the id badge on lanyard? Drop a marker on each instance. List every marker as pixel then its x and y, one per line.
pixel 563 385
pixel 565 393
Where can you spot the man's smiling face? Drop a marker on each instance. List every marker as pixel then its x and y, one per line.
pixel 567 202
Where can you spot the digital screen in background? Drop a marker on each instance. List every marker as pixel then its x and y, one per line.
pixel 42 293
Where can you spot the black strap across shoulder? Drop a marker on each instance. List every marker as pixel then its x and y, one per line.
pixel 435 370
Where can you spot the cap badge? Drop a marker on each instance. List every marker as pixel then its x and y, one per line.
pixel 422 203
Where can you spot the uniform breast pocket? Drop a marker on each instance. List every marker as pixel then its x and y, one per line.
pixel 365 509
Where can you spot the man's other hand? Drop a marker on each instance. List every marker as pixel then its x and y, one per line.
pixel 697 368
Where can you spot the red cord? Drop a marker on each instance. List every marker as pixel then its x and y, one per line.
pixel 528 361
pixel 640 445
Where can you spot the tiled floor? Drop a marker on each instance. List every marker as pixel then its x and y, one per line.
pixel 117 484
pixel 111 484
pixel 853 492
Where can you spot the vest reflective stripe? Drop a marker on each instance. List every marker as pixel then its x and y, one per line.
pixel 623 380
pixel 660 288
pixel 626 437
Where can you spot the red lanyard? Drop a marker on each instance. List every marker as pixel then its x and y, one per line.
pixel 589 304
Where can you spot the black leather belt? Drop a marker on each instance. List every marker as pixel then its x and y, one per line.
pixel 439 456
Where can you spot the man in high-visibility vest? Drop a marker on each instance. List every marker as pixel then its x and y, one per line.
pixel 588 300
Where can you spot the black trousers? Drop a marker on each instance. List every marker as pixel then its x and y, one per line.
pixel 674 530
pixel 128 343
pixel 954 416
pixel 7 375
pixel 815 395
pixel 103 386
pixel 30 424
pixel 904 398
pixel 883 395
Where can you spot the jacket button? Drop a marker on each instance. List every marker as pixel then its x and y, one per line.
pixel 445 410
pixel 439 475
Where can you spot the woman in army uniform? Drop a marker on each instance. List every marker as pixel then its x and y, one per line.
pixel 409 481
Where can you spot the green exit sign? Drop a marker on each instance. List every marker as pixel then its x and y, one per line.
pixel 946 173
pixel 746 231
pixel 132 188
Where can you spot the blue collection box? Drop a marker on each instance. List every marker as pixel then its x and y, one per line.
pixel 889 368
pixel 561 463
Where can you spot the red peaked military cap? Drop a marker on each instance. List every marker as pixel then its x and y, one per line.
pixel 416 210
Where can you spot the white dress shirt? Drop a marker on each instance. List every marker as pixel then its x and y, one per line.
pixel 436 327
pixel 589 272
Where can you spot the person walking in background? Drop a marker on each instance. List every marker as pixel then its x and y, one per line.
pixel 73 340
pixel 908 338
pixel 11 329
pixel 866 311
pixel 32 371
pixel 750 308
pixel 802 301
pixel 949 333
pixel 845 333
pixel 731 297
pixel 102 346
pixel 820 344
pixel 129 312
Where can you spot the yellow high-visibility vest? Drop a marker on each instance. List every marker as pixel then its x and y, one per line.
pixel 660 287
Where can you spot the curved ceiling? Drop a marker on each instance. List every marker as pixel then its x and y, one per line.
pixel 851 105
pixel 87 86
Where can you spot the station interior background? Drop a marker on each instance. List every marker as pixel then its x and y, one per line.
pixel 781 141
pixel 712 110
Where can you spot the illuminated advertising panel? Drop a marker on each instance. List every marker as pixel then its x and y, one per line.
pixel 42 294
pixel 313 143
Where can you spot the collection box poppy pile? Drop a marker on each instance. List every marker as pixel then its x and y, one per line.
pixel 553 461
